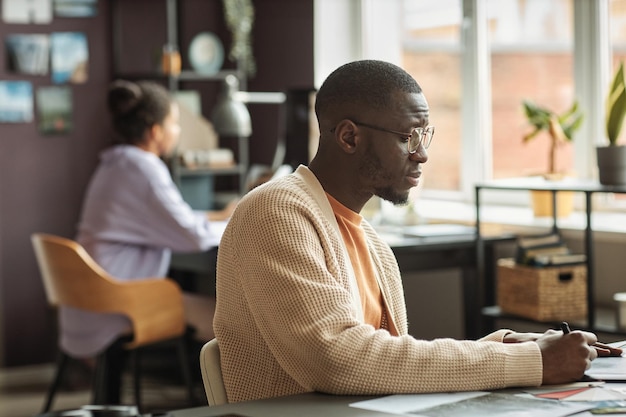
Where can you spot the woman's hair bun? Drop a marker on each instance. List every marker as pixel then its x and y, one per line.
pixel 124 96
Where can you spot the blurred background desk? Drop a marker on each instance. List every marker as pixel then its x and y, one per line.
pixel 415 252
pixel 425 251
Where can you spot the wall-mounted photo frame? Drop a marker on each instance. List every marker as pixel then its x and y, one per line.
pixel 27 53
pixel 54 109
pixel 31 11
pixel 16 102
pixel 70 57
pixel 75 8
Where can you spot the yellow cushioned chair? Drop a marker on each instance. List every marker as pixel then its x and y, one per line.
pixel 153 305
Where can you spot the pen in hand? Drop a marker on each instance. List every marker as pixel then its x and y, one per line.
pixel 601 348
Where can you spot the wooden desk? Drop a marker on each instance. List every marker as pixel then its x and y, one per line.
pixel 413 254
pixel 303 405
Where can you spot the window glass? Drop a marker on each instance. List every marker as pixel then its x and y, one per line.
pixel 531 44
pixel 430 53
pixel 617 18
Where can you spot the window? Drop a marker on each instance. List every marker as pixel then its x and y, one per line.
pixel 431 53
pixel 477 60
pixel 531 45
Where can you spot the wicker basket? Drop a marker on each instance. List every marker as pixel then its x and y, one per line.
pixel 542 294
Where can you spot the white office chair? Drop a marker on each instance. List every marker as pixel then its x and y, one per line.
pixel 212 373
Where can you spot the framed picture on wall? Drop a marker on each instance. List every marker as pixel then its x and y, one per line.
pixel 28 54
pixel 54 109
pixel 70 57
pixel 16 102
pixel 31 11
pixel 75 8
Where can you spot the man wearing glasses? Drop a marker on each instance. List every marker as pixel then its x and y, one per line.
pixel 309 298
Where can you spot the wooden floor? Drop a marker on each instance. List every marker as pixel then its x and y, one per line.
pixel 23 390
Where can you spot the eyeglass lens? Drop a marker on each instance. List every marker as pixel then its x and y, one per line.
pixel 421 136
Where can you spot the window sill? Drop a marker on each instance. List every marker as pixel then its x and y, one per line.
pixel 503 219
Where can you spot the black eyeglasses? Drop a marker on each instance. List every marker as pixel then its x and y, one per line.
pixel 418 136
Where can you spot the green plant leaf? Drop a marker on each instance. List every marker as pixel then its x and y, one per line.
pixel 618 80
pixel 569 112
pixel 616 106
pixel 570 121
pixel 537 116
pixel 559 128
pixel 570 128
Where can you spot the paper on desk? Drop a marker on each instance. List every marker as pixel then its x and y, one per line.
pixel 472 404
pixel 562 395
pixel 546 389
pixel 405 404
pixel 595 394
pixel 608 368
pixel 580 391
pixel 584 394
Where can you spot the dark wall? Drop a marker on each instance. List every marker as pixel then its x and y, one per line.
pixel 43 178
pixel 283 48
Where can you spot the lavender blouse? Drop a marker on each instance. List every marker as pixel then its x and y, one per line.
pixel 133 217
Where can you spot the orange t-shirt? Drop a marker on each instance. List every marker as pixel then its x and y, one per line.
pixel 356 244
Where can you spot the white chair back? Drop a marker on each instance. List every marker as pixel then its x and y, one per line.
pixel 212 373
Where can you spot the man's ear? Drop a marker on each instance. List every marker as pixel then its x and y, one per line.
pixel 345 135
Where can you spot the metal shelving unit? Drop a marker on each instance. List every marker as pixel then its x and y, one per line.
pixel 587 188
pixel 180 173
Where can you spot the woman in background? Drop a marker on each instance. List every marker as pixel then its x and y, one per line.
pixel 134 216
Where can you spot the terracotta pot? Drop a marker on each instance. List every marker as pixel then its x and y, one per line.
pixel 611 164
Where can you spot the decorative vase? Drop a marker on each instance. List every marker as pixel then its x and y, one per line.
pixel 611 164
pixel 542 203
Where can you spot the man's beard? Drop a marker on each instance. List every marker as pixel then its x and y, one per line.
pixel 371 168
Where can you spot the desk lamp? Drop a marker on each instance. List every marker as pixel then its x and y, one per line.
pixel 230 117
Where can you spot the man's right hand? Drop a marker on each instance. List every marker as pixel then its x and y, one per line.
pixel 566 357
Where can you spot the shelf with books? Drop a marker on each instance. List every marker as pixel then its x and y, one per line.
pixel 585 187
pixel 546 250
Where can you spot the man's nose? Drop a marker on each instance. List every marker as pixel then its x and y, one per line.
pixel 421 155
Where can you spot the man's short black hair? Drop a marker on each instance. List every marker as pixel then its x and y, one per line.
pixel 369 83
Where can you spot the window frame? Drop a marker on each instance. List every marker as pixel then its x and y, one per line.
pixel 360 22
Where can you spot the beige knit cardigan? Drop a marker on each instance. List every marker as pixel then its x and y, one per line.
pixel 288 317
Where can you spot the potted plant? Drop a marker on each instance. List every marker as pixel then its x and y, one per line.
pixel 612 158
pixel 560 129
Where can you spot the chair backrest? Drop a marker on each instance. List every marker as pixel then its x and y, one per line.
pixel 212 373
pixel 72 278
